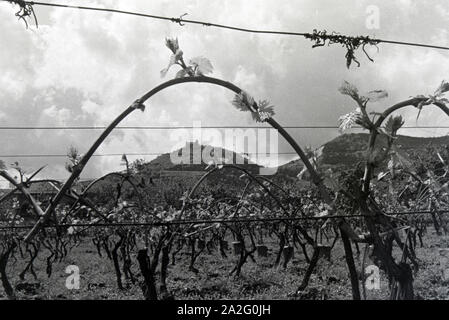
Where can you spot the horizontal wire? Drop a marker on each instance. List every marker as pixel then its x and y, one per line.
pixel 124 153
pixel 189 127
pixel 152 154
pixel 212 221
pixel 181 21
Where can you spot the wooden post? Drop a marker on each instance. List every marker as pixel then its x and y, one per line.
pixel 148 287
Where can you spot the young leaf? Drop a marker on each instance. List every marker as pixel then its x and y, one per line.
pixel 259 113
pixel 347 121
pixel 181 74
pixel 443 88
pixel 175 57
pixel 349 90
pixel 69 167
pixel 74 157
pixel 393 125
pixel 243 102
pixel 265 111
pixel 172 44
pixel 435 98
pixel 332 183
pixel 201 65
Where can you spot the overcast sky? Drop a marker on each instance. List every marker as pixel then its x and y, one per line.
pixel 83 68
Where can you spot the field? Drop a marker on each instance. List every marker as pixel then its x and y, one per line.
pixel 127 239
pixel 158 242
pixel 259 280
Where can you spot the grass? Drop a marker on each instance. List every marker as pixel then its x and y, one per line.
pixel 260 280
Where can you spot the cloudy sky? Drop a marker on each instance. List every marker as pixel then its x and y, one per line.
pixel 82 68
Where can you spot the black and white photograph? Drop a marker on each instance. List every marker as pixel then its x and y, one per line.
pixel 199 152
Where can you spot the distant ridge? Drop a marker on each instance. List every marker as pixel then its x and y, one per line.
pixel 349 149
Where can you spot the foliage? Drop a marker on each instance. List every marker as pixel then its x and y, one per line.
pixel 74 158
pixel 437 97
pixel 260 112
pixel 348 120
pixel 393 125
pixel 198 66
pixel 359 115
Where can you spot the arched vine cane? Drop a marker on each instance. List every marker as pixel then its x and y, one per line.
pixel 253 179
pixel 400 272
pixel 345 229
pixel 138 104
pixel 378 123
pixel 123 177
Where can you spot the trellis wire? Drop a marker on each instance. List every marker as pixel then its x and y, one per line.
pixel 191 127
pixel 316 35
pixel 212 221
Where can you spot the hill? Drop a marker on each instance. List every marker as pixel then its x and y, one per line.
pixel 349 149
pixel 188 159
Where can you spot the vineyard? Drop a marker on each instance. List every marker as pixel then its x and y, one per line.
pixel 377 229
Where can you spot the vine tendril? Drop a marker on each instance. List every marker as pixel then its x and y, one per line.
pixel 26 10
pixel 350 43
